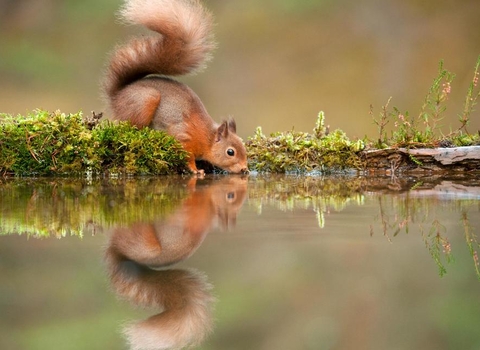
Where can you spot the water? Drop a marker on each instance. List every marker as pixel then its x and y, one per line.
pixel 259 262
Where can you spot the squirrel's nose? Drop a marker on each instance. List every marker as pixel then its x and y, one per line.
pixel 245 170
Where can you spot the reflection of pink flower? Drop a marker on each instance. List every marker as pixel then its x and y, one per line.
pixel 402 224
pixel 447 248
pixel 475 258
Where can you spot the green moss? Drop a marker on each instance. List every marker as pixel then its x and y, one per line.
pixel 44 143
pixel 293 151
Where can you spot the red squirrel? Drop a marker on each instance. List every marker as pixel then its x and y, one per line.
pixel 139 87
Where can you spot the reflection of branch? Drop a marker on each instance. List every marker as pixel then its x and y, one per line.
pixel 384 219
pixel 405 208
pixel 437 245
pixel 472 241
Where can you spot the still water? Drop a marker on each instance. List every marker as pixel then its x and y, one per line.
pixel 232 262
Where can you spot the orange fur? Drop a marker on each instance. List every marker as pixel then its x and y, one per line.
pixel 139 90
pixel 139 259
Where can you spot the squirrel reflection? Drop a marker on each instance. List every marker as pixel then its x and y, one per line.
pixel 138 259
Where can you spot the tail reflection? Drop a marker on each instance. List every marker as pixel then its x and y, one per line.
pixel 138 258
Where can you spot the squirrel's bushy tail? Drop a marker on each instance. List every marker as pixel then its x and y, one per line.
pixel 183 47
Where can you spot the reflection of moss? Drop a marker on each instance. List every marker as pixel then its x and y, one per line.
pixel 43 207
pixel 320 194
pixel 279 192
pixel 403 205
pixel 45 143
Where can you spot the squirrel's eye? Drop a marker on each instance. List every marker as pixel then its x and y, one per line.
pixel 231 152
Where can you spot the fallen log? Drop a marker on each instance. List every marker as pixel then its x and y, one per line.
pixel 427 160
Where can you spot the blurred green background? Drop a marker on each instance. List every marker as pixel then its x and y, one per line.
pixel 278 63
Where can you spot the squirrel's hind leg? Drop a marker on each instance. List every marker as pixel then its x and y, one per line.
pixel 138 107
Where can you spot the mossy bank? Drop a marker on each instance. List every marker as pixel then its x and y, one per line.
pixel 43 143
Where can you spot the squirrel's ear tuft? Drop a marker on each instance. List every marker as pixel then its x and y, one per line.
pixel 222 131
pixel 232 126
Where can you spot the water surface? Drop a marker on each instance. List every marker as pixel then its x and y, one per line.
pixel 232 262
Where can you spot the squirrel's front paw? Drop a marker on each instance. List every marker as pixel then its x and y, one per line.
pixel 195 171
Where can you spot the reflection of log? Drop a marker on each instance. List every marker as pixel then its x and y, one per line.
pixel 448 190
pixel 450 185
pixel 423 159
